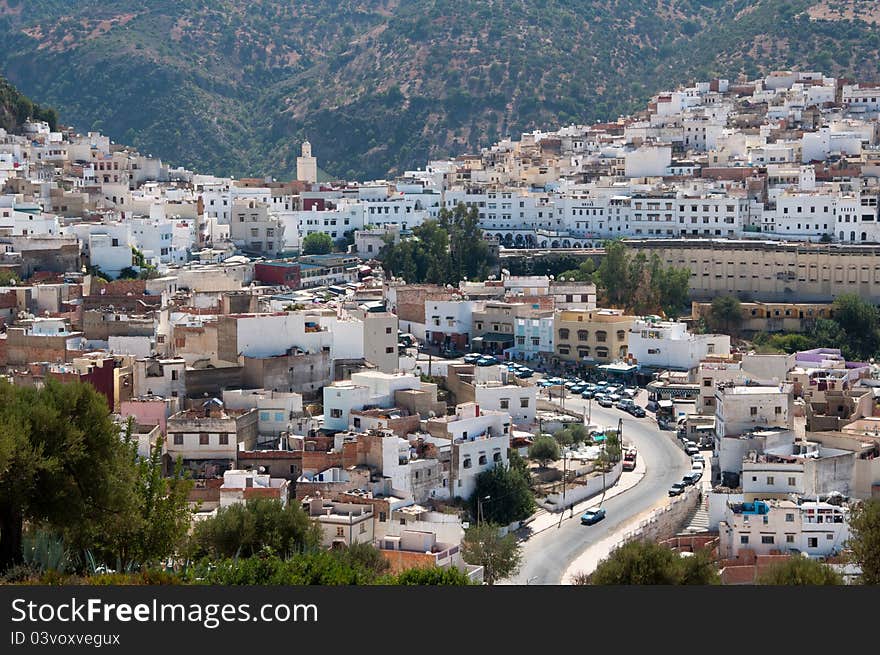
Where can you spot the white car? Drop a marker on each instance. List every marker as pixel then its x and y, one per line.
pixel 697 466
pixel 698 458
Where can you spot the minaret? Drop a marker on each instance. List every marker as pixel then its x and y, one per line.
pixel 306 165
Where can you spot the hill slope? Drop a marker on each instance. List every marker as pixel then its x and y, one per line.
pixel 380 85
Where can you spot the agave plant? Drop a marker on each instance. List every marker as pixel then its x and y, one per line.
pixel 45 551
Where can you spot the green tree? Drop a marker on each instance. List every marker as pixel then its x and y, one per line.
pixel 469 253
pixel 864 540
pixel 8 277
pixel 800 571
pixel 725 315
pixel 317 243
pixel 613 274
pixel 62 464
pixel 128 273
pixel 157 515
pixel 509 496
pixel 484 546
pixel 431 576
pixel 643 562
pixel 544 449
pixel 247 528
pixel 860 323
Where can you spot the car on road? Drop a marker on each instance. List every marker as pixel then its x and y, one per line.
pixel 487 360
pixel 676 489
pixel 592 516
pixel 471 358
pixel 524 373
pixel 604 401
pixel 625 404
pixel 637 410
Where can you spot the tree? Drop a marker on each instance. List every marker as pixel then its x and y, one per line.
pixel 62 463
pixel 544 449
pixel 433 576
pixel 8 277
pixel 800 571
pixel 563 437
pixel 499 556
pixel 317 243
pixel 864 540
pixel 613 273
pixel 128 273
pixel 510 498
pixel 643 562
pixel 246 529
pixel 860 323
pixel 157 515
pixel 725 315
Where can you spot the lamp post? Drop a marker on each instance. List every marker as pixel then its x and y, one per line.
pixel 480 508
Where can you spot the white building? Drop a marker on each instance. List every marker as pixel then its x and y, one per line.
pixel 669 345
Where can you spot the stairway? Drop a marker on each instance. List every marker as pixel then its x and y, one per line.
pixel 698 521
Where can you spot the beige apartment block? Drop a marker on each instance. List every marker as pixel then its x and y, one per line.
pixel 771 270
pixel 596 336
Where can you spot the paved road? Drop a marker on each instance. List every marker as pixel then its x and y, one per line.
pixel 548 554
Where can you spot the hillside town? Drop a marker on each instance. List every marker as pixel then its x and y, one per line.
pixel 198 308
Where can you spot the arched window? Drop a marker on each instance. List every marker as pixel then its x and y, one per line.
pixel 601 336
pixel 621 335
pixel 563 333
pixel 583 335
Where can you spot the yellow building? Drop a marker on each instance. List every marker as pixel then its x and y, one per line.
pixel 772 317
pixel 597 336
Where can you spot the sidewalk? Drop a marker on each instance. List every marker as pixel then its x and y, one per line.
pixel 543 520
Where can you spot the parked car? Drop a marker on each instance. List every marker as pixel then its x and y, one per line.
pixel 587 394
pixel 691 478
pixel 614 397
pixel 630 392
pixel 471 358
pixel 697 466
pixel 691 450
pixel 605 401
pixel 698 458
pixel 487 360
pixel 524 373
pixel 676 489
pixel 637 410
pixel 625 404
pixel 577 389
pixel 592 516
pixel 652 406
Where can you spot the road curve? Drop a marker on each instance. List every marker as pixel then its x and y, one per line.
pixel 548 554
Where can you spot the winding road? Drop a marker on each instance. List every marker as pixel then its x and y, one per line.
pixel 548 554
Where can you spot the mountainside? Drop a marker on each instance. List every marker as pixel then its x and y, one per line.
pixel 233 87
pixel 16 108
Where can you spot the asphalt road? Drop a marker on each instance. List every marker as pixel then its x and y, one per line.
pixel 548 554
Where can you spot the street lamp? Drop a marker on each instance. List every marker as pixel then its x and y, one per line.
pixel 480 508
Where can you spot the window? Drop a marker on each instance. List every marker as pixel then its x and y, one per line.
pixel 812 542
pixel 387 330
pixel 224 439
pixel 767 539
pixel 363 528
pixel 789 538
pixel 389 350
pixel 770 480
pixel 174 374
pixel 382 517
pixel 744 539
pixel 601 336
pixel 482 460
pixel 791 481
pixel 777 410
pixel 505 403
pixel 178 439
pixel 467 463
pixel 496 457
pixel 583 335
pixel 523 402
pixel 336 413
pixel 753 411
pixel 789 518
pixel 707 382
pixel 203 439
pixel 563 333
pixel 340 532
